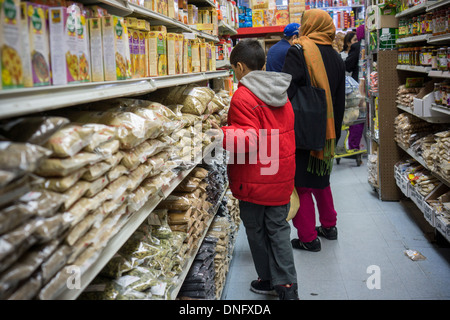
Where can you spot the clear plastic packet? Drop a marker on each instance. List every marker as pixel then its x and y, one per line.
pixel 157 121
pixel 95 171
pixel 117 172
pixel 61 184
pixel 138 279
pixel 115 159
pixel 25 266
pixel 80 229
pixel 34 130
pixel 74 193
pixel 188 184
pixel 6 177
pixel 21 158
pixel 107 149
pixel 118 187
pixel 80 210
pixel 28 289
pixel 157 162
pixel 13 239
pixel 414 255
pixel 138 198
pixel 55 262
pixel 137 176
pixel 96 186
pixel 116 267
pixel 180 217
pixel 102 134
pixel 52 227
pixel 63 167
pixel 69 140
pixel 132 158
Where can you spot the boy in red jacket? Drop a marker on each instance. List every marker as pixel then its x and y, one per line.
pixel 261 122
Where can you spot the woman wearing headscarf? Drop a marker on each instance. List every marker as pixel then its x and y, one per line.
pixel 352 66
pixel 313 168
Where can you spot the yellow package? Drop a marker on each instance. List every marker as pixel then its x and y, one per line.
pixel 96 44
pixel 157 53
pixel 83 49
pixel 10 48
pixel 134 52
pixel 258 18
pixel 195 49
pixel 187 55
pixel 171 61
pixel 142 53
pixel 115 41
pixel 203 57
pixel 25 53
pixel 179 54
pixel 39 44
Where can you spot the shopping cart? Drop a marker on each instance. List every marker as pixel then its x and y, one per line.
pixel 355 113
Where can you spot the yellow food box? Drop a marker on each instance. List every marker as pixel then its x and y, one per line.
pixel 115 51
pixel 269 17
pixel 39 45
pixel 203 57
pixel 157 53
pixel 171 61
pixel 192 14
pixel 142 53
pixel 187 55
pixel 10 48
pixel 134 52
pixel 258 18
pixel 172 9
pixel 179 54
pixel 83 50
pixel 25 53
pixel 96 45
pixel 195 49
pixel 282 17
pixel 63 26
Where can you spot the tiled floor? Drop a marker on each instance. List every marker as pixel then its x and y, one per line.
pixel 371 233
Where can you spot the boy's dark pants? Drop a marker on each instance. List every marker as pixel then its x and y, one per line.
pixel 268 235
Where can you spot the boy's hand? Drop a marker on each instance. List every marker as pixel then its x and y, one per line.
pixel 215 131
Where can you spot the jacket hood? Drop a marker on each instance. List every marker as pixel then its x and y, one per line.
pixel 270 87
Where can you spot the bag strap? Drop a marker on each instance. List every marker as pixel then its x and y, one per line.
pixel 302 57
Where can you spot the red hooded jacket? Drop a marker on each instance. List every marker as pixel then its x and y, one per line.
pixel 261 140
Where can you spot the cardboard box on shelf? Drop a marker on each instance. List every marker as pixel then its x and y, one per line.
pixel 179 54
pixel 258 18
pixel 269 17
pixel 295 17
pixel 203 57
pixel 195 48
pixel 259 4
pixel 24 45
pixel 172 9
pixel 96 47
pixel 187 55
pixel 39 44
pixel 282 16
pixel 115 48
pixel 192 14
pixel 84 59
pixel 157 53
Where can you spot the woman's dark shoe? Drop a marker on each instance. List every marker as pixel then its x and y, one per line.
pixel 287 292
pixel 328 233
pixel 313 246
pixel 262 287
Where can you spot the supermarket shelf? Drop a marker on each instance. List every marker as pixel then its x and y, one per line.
pixel 440 38
pixel 125 232
pixel 223 64
pixel 226 29
pixel 116 7
pixel 440 109
pixel 419 69
pixel 416 9
pixel 437 5
pixel 442 119
pixel 439 74
pixel 420 37
pixel 18 102
pixel 422 162
pixel 203 2
pixel 259 31
pixel 188 265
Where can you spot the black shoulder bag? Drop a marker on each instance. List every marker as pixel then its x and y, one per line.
pixel 310 109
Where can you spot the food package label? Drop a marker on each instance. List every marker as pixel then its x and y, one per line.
pixel 115 43
pixel 96 46
pixel 134 51
pixel 269 18
pixel 157 53
pixel 282 16
pixel 187 55
pixel 143 62
pixel 195 56
pixel 25 52
pixel 10 49
pixel 83 49
pixel 258 18
pixel 203 57
pixel 39 44
pixel 179 54
pixel 171 61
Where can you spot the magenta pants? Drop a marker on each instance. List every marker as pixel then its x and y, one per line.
pixel 305 220
pixel 355 135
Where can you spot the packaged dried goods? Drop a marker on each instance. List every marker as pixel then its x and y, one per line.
pixel 95 171
pixel 13 239
pixel 62 184
pixel 74 193
pixel 62 167
pixel 20 158
pixel 69 140
pixel 34 130
pixel 102 134
pixel 96 186
pixel 55 262
pixel 132 158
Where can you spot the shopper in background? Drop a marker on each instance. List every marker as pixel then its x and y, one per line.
pixel 277 53
pixel 312 176
pixel 261 103
pixel 349 39
pixel 352 66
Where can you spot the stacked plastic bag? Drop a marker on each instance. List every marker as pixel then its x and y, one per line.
pixel 352 100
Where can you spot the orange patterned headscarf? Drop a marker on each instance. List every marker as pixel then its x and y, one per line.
pixel 317 27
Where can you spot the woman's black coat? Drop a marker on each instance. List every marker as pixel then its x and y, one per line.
pixel 335 69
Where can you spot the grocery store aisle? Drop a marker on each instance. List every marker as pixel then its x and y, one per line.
pixel 372 234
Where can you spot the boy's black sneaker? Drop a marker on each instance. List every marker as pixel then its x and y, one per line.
pixel 313 246
pixel 287 292
pixel 262 287
pixel 328 233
